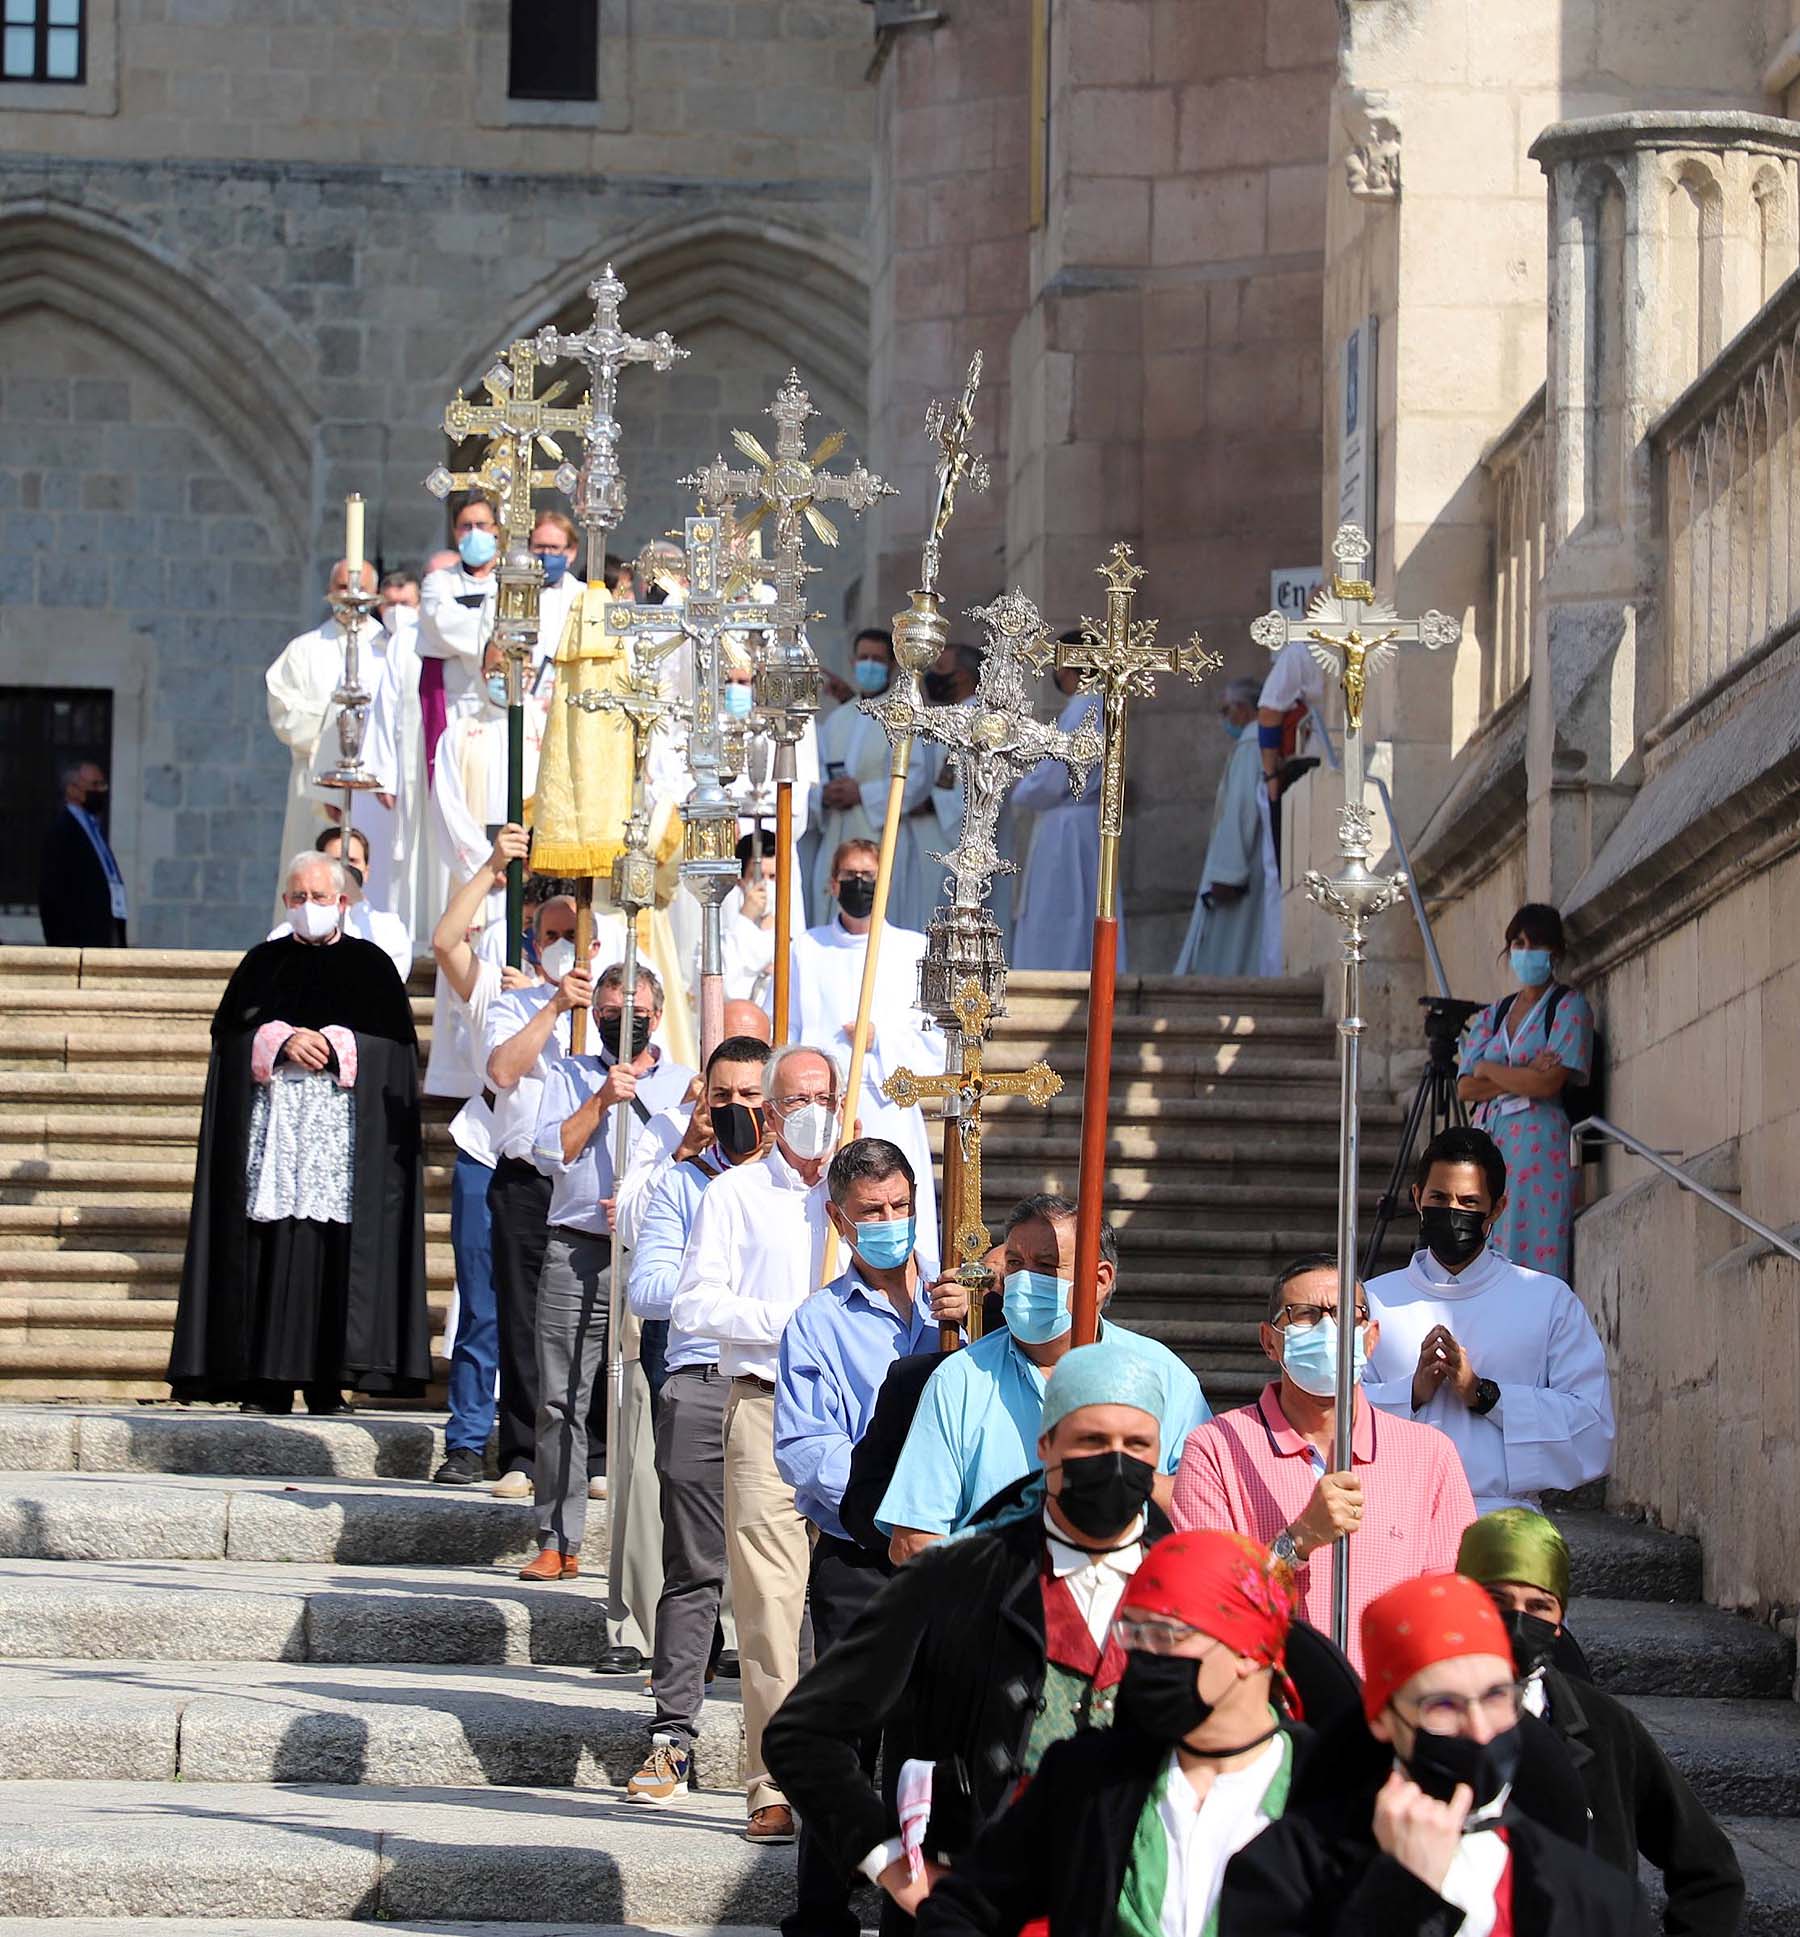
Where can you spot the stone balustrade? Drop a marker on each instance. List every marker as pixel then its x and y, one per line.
pixel 1515 467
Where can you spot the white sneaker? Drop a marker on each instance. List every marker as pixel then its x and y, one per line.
pixel 515 1485
pixel 597 1487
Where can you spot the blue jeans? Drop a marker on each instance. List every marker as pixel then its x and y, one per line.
pixel 475 1359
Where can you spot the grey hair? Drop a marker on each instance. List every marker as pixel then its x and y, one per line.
pixel 647 978
pixel 343 878
pixel 1051 1207
pixel 772 1074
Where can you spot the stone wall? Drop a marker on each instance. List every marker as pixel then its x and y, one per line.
pixel 276 298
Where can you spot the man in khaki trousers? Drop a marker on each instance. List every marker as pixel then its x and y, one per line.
pixel 755 1253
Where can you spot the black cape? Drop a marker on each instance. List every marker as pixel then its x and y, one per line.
pixel 295 1302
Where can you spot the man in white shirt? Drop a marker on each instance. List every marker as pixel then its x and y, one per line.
pixel 825 987
pixel 755 1253
pixel 474 984
pixel 300 684
pixel 1504 1360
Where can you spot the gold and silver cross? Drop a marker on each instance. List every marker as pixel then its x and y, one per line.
pixel 517 424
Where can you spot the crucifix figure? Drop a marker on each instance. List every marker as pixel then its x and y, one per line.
pixel 963 1091
pixel 956 463
pixel 1119 661
pixel 604 348
pixel 1351 634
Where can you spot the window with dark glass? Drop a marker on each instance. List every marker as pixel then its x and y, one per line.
pixel 44 40
pixel 553 50
pixel 43 729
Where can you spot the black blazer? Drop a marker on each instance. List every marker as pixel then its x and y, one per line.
pixel 1641 1803
pixel 1061 1851
pixel 73 901
pixel 877 1453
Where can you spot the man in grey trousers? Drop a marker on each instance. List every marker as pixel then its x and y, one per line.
pixel 573 1145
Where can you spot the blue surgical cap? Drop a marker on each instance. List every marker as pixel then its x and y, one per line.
pixel 1102 1375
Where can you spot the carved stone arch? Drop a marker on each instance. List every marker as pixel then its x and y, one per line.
pixel 102 275
pixel 1775 236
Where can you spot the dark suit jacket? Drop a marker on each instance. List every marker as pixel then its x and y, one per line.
pixel 73 902
pixel 877 1453
pixel 1640 1803
pixel 1061 1851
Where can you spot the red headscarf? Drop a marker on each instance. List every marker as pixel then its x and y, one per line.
pixel 1438 1617
pixel 1225 1585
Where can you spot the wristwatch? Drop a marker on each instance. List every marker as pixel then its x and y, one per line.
pixel 1487 1397
pixel 1282 1548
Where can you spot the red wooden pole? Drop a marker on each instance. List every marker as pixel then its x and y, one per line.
pixel 1096 1098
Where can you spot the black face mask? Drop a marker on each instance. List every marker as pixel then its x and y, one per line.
pixel 1533 1638
pixel 1439 1762
pixel 856 895
pixel 937 687
pixel 1159 1696
pixel 1102 1493
pixel 737 1129
pixel 1452 1236
pixel 611 1029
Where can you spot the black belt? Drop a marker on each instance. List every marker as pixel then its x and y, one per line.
pixel 488 1097
pixel 750 1378
pixel 695 1371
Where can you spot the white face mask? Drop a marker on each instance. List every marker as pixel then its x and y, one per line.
pixel 557 959
pixel 313 921
pixel 810 1131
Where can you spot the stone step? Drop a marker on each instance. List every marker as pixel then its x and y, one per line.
pixel 193 1611
pixel 396 1727
pixel 199 1440
pixel 101 1275
pixel 78 1180
pixel 104 1007
pixel 1624 1560
pixel 86 1517
pixel 152 1850
pixel 1742 1757
pixel 102 1226
pixel 336 1927
pixel 1684 1648
pixel 1768 1850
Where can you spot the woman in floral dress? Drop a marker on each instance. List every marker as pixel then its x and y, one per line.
pixel 1516 1056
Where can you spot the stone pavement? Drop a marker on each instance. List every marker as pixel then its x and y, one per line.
pixel 258 1669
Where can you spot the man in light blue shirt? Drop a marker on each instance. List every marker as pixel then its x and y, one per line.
pixel 835 1351
pixel 976 1430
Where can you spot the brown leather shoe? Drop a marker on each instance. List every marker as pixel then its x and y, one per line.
pixel 773 1823
pixel 550 1565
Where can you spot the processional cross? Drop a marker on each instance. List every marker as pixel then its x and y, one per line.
pixel 1352 633
pixel 958 461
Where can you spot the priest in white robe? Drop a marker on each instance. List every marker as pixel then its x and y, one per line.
pixel 554 544
pixel 849 801
pixel 826 983
pixel 400 871
pixel 1235 928
pixel 300 684
pixel 1504 1360
pixel 1055 925
pixel 457 604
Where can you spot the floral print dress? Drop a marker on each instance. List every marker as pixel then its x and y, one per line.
pixel 1533 1134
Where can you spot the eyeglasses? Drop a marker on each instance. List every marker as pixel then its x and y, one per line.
pixel 845 879
pixel 1302 1318
pixel 321 897
pixel 1501 1705
pixel 786 1106
pixel 1151 1637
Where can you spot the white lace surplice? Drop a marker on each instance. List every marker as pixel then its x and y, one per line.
pixel 302 1149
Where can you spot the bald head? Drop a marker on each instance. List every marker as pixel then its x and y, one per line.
pixel 747 1019
pixel 339 582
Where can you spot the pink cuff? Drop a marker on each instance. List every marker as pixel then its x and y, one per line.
pixel 265 1047
pixel 344 1042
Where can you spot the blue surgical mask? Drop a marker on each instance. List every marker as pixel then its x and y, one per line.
pixel 1531 967
pixel 1309 1358
pixel 738 700
pixel 555 564
pixel 1036 1306
pixel 870 675
pixel 885 1245
pixel 1234 729
pixel 496 686
pixel 477 548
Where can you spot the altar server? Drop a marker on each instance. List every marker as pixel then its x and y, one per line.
pixel 1055 924
pixel 456 620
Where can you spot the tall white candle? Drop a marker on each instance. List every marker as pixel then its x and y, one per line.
pixel 353 538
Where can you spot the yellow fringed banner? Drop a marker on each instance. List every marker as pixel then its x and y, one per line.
pixel 584 771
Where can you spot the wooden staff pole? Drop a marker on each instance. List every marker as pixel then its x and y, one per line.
pixel 865 1002
pixel 948 1337
pixel 584 948
pixel 784 904
pixel 1096 1101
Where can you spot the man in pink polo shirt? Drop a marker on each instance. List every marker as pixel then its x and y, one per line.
pixel 1264 1470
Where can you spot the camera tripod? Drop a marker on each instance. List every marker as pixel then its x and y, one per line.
pixel 1435 1102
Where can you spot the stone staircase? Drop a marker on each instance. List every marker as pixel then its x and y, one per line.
pixel 1223 1156
pixel 257 1670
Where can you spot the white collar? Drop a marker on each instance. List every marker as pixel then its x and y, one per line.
pixel 1481 1275
pixel 1066 1558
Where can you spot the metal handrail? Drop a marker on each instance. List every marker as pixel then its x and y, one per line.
pixel 1611 1131
pixel 1334 760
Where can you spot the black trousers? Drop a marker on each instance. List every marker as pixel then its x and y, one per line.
pixel 519 1205
pixel 844 1578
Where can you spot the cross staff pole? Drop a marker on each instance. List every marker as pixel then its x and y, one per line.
pixel 1118 661
pixel 1351 634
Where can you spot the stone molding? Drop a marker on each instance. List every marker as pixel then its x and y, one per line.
pixel 1611 134
pixel 1372 166
pixel 1481 818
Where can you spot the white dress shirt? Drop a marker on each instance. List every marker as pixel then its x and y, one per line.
pixel 1204 1833
pixel 757 1250
pixel 516 1109
pixel 1096 1581
pixel 651 1150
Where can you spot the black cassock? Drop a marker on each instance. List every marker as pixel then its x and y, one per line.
pixel 296 1301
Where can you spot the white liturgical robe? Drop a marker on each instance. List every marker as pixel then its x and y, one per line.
pixel 826 981
pixel 300 684
pixel 394 750
pixel 1528 1332
pixel 1055 925
pixel 456 620
pixel 852 746
pixel 468 792
pixel 1241 936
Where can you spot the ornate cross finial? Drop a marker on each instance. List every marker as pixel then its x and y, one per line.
pixel 517 424
pixel 957 464
pixel 605 347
